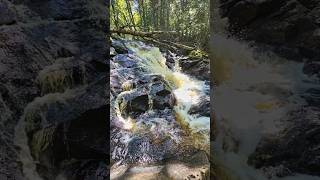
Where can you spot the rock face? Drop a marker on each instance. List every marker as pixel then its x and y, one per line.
pixel 312 69
pixel 294 150
pixel 291 28
pixel 52 62
pixel 197 67
pixel 7 14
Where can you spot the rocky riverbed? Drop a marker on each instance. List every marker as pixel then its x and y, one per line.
pixel 160 117
pixel 53 103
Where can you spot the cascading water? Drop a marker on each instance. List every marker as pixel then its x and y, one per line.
pixel 181 127
pixel 253 93
pixel 21 140
pixel 55 81
pixel 186 90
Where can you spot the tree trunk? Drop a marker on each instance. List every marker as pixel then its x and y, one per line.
pixel 115 15
pixel 130 14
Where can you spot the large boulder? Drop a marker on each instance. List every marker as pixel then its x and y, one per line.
pixel 151 92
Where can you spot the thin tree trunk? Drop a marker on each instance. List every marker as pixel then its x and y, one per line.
pixel 130 14
pixel 115 15
pixel 167 16
pixel 140 10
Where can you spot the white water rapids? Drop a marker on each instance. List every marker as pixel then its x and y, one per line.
pixel 254 92
pixel 187 90
pixel 249 103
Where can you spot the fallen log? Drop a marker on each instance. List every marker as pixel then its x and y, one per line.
pixel 182 46
pixel 143 34
pixel 162 44
pixel 149 36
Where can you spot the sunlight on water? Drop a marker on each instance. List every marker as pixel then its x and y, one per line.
pixel 187 91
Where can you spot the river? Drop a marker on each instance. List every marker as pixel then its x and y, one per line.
pixel 254 93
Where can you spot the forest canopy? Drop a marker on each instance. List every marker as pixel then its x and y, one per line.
pixel 188 18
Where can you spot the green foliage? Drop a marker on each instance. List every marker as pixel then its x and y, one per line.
pixel 198 54
pixel 189 18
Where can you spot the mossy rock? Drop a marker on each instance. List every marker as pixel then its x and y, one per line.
pixel 198 54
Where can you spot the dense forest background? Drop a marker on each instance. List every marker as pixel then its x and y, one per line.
pixel 185 21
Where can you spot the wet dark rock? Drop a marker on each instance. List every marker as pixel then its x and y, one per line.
pixel 155 144
pixel 122 79
pixel 87 170
pixel 64 10
pixel 143 150
pixel 197 67
pixel 243 12
pixel 159 91
pixel 82 142
pixel 119 47
pixel 135 102
pixel 278 171
pixel 312 96
pixel 203 108
pixel 118 142
pixel 66 129
pixel 151 91
pixel 125 61
pixel 296 148
pixel 7 14
pixel 285 25
pixel 311 68
pixel 161 95
pixel 171 169
pixel 162 127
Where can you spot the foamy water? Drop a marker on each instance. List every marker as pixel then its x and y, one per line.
pixel 253 94
pixel 28 164
pixel 187 90
pixel 254 91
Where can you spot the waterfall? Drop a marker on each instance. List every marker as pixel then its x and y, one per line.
pixel 176 123
pixel 247 100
